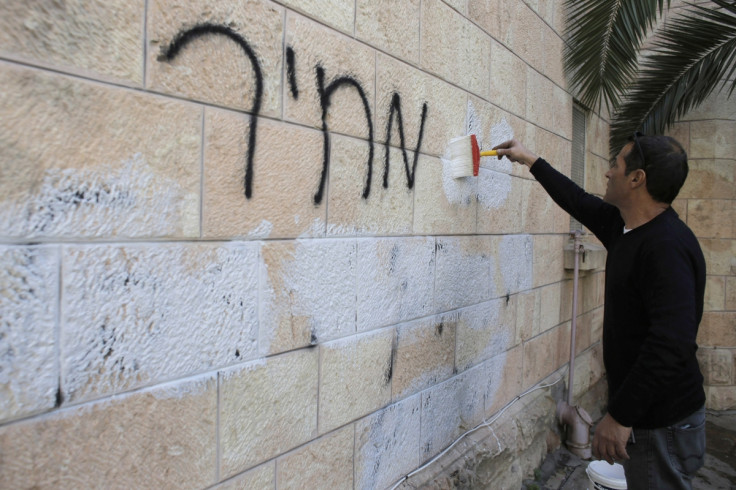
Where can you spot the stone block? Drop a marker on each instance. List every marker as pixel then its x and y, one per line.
pixel 548 105
pixel 508 80
pixel 711 139
pixel 555 149
pixel 719 255
pixel 355 377
pixel 711 218
pixel 113 163
pixel 716 329
pixel 550 306
pixel 514 265
pixel 258 478
pixel 358 203
pixel 395 280
pixel 500 202
pixel 326 462
pixel 720 397
pixel 91 37
pixel 451 408
pixel 387 444
pixel 140 314
pixel 309 293
pixel 715 293
pixel 548 259
pixel 392 27
pixel 162 437
pixel 540 214
pixel 29 278
pixel 267 407
pixel 445 116
pixel 454 48
pixel 596 136
pixel 424 355
pixel 527 36
pixel 443 205
pixel 595 174
pixel 217 66
pixel 681 132
pixel 713 179
pixel 716 366
pixel 348 70
pixel 492 16
pixel 730 293
pixel 287 165
pixel 528 314
pixel 503 379
pixel 546 353
pixel 339 14
pixel 484 331
pixel 464 273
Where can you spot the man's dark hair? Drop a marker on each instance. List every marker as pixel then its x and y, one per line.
pixel 665 164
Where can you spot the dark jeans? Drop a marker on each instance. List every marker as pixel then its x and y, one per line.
pixel 666 458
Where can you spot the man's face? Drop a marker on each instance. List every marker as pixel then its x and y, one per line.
pixel 617 187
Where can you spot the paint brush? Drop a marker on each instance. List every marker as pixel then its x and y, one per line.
pixel 465 156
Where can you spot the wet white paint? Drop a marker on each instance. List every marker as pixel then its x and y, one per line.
pixel 123 200
pixel 515 260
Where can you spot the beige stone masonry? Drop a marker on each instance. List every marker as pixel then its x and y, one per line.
pixel 109 157
pixel 355 377
pixel 258 478
pixel 339 56
pixel 335 13
pixel 163 437
pixel 29 278
pixel 267 407
pixel 484 331
pixel 545 353
pixel 91 37
pixel 213 67
pixel 308 293
pixel 390 26
pixel 716 329
pixel 464 271
pixel 715 293
pixel 445 117
pixel 730 303
pixel 455 49
pixel 548 105
pixel 286 171
pixel 443 205
pixel 425 354
pixel 548 259
pixel 713 178
pixel 385 211
pixel 540 214
pixel 395 280
pixel 387 444
pixel 508 80
pixel 713 139
pixel 503 380
pixel 711 218
pixel 139 314
pixel 326 462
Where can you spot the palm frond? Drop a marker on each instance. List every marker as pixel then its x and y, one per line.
pixel 692 56
pixel 603 41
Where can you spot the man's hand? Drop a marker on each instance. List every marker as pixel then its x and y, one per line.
pixel 609 441
pixel 516 152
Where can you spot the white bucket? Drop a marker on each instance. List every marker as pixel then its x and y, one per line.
pixel 604 476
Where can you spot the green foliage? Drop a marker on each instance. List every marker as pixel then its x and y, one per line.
pixel 693 55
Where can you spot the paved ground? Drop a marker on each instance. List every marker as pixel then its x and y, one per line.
pixel 563 470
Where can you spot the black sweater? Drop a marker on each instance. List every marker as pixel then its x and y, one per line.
pixel 655 283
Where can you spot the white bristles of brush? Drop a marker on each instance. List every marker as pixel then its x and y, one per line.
pixel 461 157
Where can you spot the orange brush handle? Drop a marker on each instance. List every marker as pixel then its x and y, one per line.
pixel 489 153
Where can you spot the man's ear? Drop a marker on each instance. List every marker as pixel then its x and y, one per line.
pixel 638 178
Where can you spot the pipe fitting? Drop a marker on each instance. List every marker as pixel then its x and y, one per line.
pixel 579 423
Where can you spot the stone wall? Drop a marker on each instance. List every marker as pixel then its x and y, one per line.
pixel 232 252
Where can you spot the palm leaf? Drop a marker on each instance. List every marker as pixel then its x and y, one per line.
pixel 692 56
pixel 603 41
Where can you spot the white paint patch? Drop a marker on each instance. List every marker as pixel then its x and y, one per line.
pixel 395 280
pixel 263 230
pixel 318 285
pixel 29 378
pixel 515 261
pixel 106 201
pixel 493 188
pixel 136 315
pixel 484 330
pixel 500 133
pixel 386 444
pixel 464 268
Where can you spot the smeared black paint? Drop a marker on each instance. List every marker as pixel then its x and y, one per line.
pixel 59 396
pixel 291 72
pixel 389 373
pixel 508 298
pixel 325 96
pixel 440 328
pixel 237 352
pixel 313 338
pixel 395 109
pixel 184 37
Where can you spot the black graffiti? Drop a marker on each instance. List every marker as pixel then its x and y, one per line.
pixel 184 37
pixel 396 109
pixel 291 72
pixel 325 99
pixel 325 93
